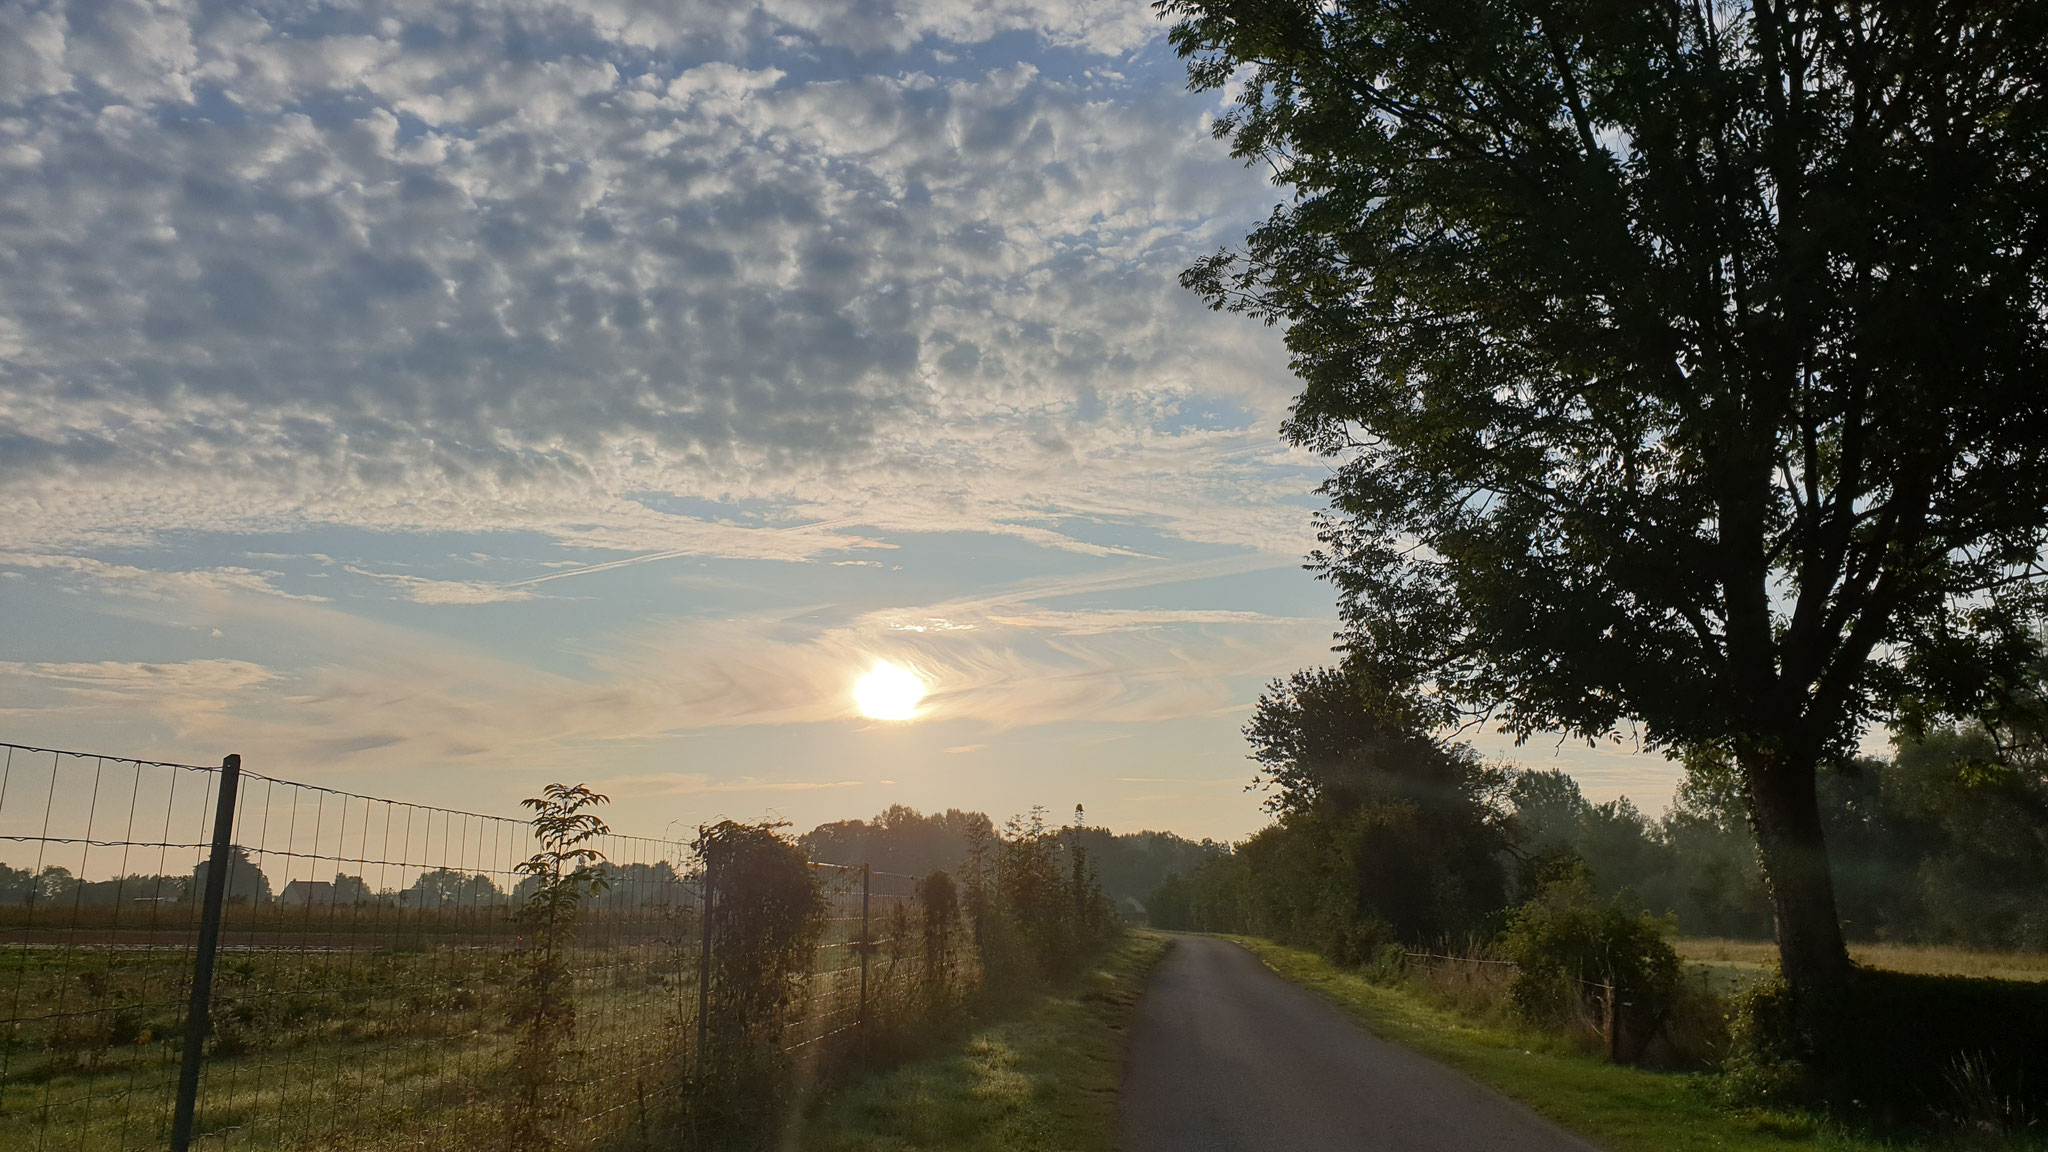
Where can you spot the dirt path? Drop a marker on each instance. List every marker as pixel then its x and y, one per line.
pixel 1228 1057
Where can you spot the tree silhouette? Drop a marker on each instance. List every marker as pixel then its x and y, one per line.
pixel 1685 363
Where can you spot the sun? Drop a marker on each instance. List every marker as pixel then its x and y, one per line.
pixel 888 692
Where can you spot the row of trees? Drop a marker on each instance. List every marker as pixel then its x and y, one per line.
pixel 902 839
pixel 1035 900
pixel 1945 842
pixel 899 839
pixel 1387 834
pixel 631 885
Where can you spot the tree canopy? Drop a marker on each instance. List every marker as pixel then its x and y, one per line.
pixel 1684 362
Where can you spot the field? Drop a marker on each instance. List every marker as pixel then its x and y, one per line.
pixel 314 1050
pixel 1749 956
pixel 398 1032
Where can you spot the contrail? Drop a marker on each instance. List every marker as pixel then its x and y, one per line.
pixel 673 553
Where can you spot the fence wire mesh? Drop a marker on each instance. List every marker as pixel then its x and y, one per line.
pixel 365 989
pixel 881 960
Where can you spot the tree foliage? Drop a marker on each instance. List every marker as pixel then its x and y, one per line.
pixel 1385 833
pixel 1943 843
pixel 1684 361
pixel 246 883
pixel 902 839
pixel 1570 946
pixel 1035 902
pixel 453 888
pixel 767 913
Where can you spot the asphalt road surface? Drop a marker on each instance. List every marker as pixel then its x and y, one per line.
pixel 1228 1057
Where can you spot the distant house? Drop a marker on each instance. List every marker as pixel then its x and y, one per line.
pixel 307 893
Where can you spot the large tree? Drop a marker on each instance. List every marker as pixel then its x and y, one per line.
pixel 1683 358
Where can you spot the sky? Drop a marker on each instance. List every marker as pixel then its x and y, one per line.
pixel 438 399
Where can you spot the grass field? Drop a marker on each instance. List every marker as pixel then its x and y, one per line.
pixel 357 1028
pixel 1758 955
pixel 315 1050
pixel 1626 1109
pixel 1042 1078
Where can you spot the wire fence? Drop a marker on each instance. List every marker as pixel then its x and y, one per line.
pixel 1478 970
pixel 876 962
pixel 356 985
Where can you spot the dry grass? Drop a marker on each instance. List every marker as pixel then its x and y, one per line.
pixel 1741 956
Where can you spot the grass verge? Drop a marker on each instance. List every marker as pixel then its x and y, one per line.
pixel 1627 1109
pixel 1042 1077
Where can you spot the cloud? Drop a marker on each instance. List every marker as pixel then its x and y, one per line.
pixel 155 583
pixel 1004 669
pixel 1102 621
pixel 195 696
pixel 517 268
pixel 291 292
pixel 421 590
pixel 363 694
pixel 692 784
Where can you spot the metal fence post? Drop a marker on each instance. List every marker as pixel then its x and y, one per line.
pixel 863 1017
pixel 704 966
pixel 219 860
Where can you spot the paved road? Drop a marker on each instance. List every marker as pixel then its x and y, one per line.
pixel 1228 1057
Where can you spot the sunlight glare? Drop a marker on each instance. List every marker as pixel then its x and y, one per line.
pixel 888 692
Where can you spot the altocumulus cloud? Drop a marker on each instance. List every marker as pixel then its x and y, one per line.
pixel 550 267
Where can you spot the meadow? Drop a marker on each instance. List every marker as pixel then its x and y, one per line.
pixel 326 1040
pixel 325 1049
pixel 1749 956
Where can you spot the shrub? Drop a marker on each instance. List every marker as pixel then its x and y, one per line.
pixel 1915 1043
pixel 1036 904
pixel 1567 944
pixel 1766 1062
pixel 1914 1048
pixel 543 1006
pixel 941 903
pixel 767 914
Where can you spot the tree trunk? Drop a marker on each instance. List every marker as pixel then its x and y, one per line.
pixel 1784 811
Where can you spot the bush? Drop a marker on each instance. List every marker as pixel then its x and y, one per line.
pixel 1766 1062
pixel 1037 905
pixel 767 916
pixel 1567 943
pixel 1960 1051
pixel 940 899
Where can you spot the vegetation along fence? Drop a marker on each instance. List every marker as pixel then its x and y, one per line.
pixel 209 957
